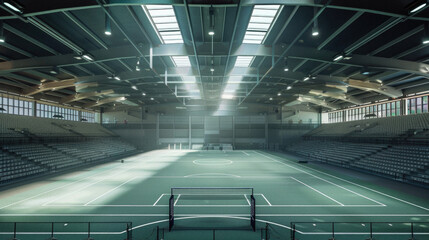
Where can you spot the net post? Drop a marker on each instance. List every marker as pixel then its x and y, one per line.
pixel 171 212
pixel 157 232
pixel 52 230
pixel 292 231
pixel 370 230
pixel 253 212
pixel 266 232
pixel 129 231
pixel 14 231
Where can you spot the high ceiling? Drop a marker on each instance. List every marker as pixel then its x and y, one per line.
pixel 262 51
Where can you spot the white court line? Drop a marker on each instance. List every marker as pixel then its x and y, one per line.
pixel 367 188
pixel 40 194
pixel 145 205
pixel 317 191
pixel 266 200
pixel 86 186
pixel 165 214
pixel 158 199
pixel 111 190
pixel 177 199
pixel 324 179
pixel 248 202
pixel 245 153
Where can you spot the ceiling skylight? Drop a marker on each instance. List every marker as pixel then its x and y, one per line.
pixel 243 61
pixel 260 21
pixel 181 61
pixel 164 22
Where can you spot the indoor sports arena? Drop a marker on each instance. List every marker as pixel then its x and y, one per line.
pixel 214 120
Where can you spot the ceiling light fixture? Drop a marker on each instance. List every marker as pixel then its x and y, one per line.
pixel 88 57
pixel 418 5
pixel 117 78
pixel 365 71
pixel 134 87
pixel 212 21
pixel 338 57
pixel 107 25
pixel 152 98
pixel 144 94
pixel 286 67
pixel 2 39
pixel 54 70
pixel 425 39
pixel 13 6
pixel 271 99
pixel 139 61
pixel 289 88
pixel 306 78
pixel 279 94
pixel 315 29
pixel 212 69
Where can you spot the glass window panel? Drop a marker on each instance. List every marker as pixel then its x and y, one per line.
pixel 162 13
pixel 264 12
pixel 258 26
pixel 158 20
pixel 255 19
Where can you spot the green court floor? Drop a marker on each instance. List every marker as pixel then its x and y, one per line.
pixel 138 191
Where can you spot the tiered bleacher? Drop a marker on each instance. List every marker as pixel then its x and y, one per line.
pixel 13 167
pixel 35 146
pixel 402 154
pixel 340 153
pixel 41 155
pixel 91 151
pixel 397 161
pixel 390 127
pixel 44 127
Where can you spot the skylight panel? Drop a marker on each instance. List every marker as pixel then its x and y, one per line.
pixel 243 61
pixel 181 61
pixel 260 22
pixel 165 23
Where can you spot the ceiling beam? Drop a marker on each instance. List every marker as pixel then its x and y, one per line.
pixel 80 96
pixel 104 101
pixel 241 50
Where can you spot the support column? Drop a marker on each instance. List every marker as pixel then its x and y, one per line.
pixel 34 108
pixel 157 129
pixel 79 116
pixel 233 131
pixel 190 132
pixel 404 107
pixel 266 131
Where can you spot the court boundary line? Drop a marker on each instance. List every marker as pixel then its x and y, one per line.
pixel 310 174
pixel 248 202
pixel 158 200
pixel 361 186
pixel 60 187
pixel 163 215
pixel 208 206
pixel 317 191
pixel 84 187
pixel 111 190
pixel 267 200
